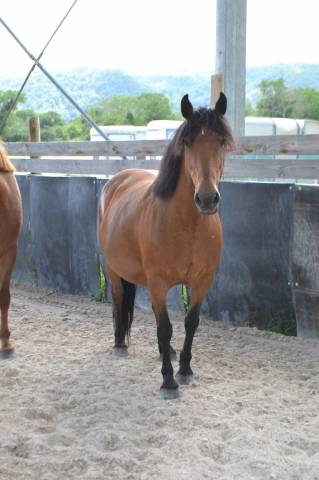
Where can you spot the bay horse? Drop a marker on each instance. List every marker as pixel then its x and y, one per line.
pixel 164 230
pixel 10 225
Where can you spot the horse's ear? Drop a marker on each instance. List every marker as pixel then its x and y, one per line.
pixel 221 104
pixel 186 107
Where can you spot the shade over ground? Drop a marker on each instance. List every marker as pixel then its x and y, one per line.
pixel 70 410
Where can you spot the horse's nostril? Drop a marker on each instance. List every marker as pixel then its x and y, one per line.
pixel 216 198
pixel 197 199
pixel 207 201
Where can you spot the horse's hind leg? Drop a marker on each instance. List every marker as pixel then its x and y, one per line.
pixel 6 266
pixel 6 346
pixel 123 296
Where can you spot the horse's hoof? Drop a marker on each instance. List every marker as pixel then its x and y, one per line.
pixel 169 388
pixel 119 352
pixel 169 393
pixel 184 379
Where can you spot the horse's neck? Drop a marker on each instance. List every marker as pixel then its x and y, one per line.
pixel 183 199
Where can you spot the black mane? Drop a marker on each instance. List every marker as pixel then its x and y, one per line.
pixel 202 119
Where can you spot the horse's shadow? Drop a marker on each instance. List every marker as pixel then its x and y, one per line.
pixel 7 354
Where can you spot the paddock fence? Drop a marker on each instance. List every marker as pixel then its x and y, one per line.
pixel 269 273
pixel 115 156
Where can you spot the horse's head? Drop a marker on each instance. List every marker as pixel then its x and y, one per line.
pixel 206 138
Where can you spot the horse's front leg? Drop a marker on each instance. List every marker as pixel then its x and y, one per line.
pixel 160 349
pixel 185 373
pixel 169 388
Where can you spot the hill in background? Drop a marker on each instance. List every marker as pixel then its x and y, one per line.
pixel 88 86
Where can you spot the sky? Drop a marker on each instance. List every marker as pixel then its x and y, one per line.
pixel 147 36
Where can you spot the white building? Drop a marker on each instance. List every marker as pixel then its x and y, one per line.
pixel 165 129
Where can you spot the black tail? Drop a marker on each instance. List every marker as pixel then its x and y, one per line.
pixel 128 306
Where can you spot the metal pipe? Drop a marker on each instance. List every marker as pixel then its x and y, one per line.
pixel 58 86
pixel 4 121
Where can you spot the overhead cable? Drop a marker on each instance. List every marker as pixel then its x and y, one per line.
pixel 15 101
pixel 59 87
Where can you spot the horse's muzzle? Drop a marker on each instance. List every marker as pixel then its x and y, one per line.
pixel 207 203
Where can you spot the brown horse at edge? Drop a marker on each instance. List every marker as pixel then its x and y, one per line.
pixel 164 230
pixel 10 225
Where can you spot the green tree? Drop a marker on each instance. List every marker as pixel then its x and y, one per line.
pixel 275 99
pixel 153 106
pixel 306 103
pixel 50 119
pixel 132 110
pixel 15 130
pixel 52 127
pixel 77 129
pixel 25 113
pixel 115 111
pixel 249 109
pixel 7 98
pixel 12 127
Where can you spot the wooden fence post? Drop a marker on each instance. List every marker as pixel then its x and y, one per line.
pixel 34 132
pixel 34 129
pixel 217 86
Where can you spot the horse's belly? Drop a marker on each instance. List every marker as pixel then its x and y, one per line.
pixel 200 272
pixel 191 272
pixel 130 271
pixel 122 255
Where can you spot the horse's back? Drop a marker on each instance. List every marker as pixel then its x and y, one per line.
pixel 124 183
pixel 124 193
pixel 5 163
pixel 10 205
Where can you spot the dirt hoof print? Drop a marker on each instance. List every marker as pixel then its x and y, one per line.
pixel 184 379
pixel 6 353
pixel 119 352
pixel 169 393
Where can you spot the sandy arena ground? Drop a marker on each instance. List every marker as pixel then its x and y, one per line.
pixel 69 410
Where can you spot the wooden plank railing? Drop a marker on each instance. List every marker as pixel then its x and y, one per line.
pixel 264 145
pixel 82 167
pixel 105 149
pixel 143 153
pixel 278 145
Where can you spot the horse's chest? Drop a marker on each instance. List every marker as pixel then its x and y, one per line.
pixel 192 254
